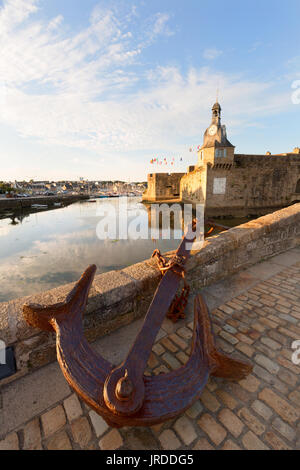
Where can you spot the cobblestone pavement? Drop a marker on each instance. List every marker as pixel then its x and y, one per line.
pixel 256 316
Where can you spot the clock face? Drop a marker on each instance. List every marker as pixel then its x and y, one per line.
pixel 212 130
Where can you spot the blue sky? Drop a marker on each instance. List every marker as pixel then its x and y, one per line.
pixel 98 89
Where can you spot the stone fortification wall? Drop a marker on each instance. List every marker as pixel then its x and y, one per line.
pixel 163 186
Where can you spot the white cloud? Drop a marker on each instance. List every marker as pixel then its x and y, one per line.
pixel 43 52
pixel 83 91
pixel 55 22
pixel 14 12
pixel 212 53
pixel 161 24
pixel 172 107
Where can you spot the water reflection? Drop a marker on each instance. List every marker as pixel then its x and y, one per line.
pixel 43 250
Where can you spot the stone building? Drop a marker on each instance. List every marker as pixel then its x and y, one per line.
pixel 230 184
pixel 162 187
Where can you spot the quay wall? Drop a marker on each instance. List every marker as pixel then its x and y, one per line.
pixel 19 203
pixel 118 297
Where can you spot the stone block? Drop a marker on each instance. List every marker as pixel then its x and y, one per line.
pixel 214 430
pixel 146 276
pixel 100 426
pixel 72 407
pixel 111 441
pixel 231 422
pixel 11 442
pixel 185 429
pixel 53 420
pixel 168 440
pixel 252 442
pixel 32 435
pixel 251 421
pixel 32 395
pixel 81 431
pixel 60 441
pixel 114 287
pixel 282 407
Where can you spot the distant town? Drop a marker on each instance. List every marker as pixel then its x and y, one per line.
pixel 53 188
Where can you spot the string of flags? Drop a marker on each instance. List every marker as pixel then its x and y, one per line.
pixel 195 149
pixel 165 161
pixel 173 160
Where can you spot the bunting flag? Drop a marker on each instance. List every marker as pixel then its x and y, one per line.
pixel 195 149
pixel 172 160
pixel 164 160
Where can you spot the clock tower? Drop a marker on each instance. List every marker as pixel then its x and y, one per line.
pixel 216 148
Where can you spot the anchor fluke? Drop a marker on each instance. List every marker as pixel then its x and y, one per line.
pixel 44 316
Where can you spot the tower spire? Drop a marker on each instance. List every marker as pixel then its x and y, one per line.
pixel 216 114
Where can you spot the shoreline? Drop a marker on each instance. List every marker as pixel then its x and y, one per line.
pixel 25 202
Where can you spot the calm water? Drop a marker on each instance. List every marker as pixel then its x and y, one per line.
pixel 39 251
pixel 42 250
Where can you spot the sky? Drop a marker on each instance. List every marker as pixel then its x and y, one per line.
pixel 97 89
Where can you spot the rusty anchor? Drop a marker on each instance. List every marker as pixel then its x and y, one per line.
pixel 124 396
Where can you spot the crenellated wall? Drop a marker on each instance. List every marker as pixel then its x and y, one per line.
pixel 236 186
pixel 255 185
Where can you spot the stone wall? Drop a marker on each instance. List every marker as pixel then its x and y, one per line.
pixel 21 203
pixel 255 184
pixel 119 297
pixel 237 185
pixel 193 186
pixel 250 185
pixel 163 186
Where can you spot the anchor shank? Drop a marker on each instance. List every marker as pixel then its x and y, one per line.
pixel 141 350
pixel 164 295
pixel 134 365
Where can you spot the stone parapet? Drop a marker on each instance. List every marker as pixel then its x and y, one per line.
pixel 119 297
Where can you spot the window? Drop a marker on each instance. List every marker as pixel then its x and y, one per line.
pixel 298 187
pixel 221 152
pixel 219 186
